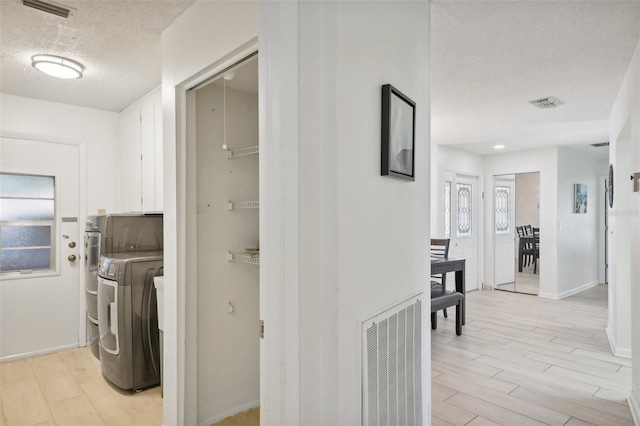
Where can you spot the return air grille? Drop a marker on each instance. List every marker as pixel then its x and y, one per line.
pixel 548 102
pixel 391 373
pixel 50 7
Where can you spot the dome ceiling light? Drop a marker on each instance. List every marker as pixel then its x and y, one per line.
pixel 57 66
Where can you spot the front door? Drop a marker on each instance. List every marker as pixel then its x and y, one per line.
pixel 504 230
pixel 464 226
pixel 39 247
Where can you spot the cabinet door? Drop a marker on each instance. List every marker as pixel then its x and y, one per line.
pixel 157 105
pixel 147 142
pixel 130 166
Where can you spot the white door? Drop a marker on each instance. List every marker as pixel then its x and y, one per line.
pixel 39 208
pixel 504 192
pixel 464 227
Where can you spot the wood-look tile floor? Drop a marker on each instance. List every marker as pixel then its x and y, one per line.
pixel 246 418
pixel 67 389
pixel 526 282
pixel 523 360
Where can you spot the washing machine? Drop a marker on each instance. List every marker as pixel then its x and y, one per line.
pixel 128 318
pixel 113 233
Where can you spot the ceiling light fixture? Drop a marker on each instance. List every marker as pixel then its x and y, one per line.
pixel 498 147
pixel 57 66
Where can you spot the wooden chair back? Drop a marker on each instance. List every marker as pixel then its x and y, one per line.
pixel 440 248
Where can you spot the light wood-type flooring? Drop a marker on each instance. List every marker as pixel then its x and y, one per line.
pixel 67 389
pixel 526 282
pixel 523 360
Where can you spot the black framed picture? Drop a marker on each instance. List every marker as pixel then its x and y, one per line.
pixel 398 134
pixel 610 186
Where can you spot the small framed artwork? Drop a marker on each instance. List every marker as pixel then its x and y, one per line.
pixel 398 134
pixel 579 198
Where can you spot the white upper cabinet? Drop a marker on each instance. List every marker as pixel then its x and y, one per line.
pixel 141 155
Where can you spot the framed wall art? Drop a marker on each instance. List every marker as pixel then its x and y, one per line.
pixel 579 198
pixel 398 134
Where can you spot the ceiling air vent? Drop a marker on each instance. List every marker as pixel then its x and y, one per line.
pixel 548 102
pixel 598 145
pixel 51 7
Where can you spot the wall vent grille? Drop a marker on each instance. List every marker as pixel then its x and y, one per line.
pixel 548 102
pixel 51 7
pixel 392 366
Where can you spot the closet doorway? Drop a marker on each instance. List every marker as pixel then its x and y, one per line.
pixel 516 227
pixel 224 170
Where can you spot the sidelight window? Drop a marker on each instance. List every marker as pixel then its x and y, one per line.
pixel 465 210
pixel 503 210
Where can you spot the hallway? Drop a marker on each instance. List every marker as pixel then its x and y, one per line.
pixel 523 360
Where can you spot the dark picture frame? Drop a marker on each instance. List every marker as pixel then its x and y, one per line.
pixel 580 198
pixel 398 134
pixel 610 186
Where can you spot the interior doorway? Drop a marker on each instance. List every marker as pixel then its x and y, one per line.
pixel 461 223
pixel 516 227
pixel 224 172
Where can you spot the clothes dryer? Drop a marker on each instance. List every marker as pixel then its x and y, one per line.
pixel 128 318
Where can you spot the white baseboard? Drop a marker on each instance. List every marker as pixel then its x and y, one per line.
pixel 635 409
pixel 615 350
pixel 568 293
pixel 37 353
pixel 229 413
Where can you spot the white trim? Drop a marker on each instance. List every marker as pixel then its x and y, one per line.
pixel 634 407
pixel 184 410
pixel 37 353
pixel 229 413
pixel 615 350
pixel 568 293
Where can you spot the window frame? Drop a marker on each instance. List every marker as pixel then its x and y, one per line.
pixel 54 264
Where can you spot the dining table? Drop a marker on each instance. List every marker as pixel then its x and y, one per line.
pixel 444 265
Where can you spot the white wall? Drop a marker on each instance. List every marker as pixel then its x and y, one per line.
pixel 206 37
pixel 626 111
pixel 528 199
pixel 354 242
pixel 577 234
pixel 228 343
pixel 544 161
pixel 623 222
pixel 26 118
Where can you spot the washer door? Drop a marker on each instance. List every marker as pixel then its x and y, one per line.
pixel 108 316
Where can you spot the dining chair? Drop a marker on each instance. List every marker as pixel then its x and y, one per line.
pixel 442 298
pixel 528 229
pixel 536 249
pixel 526 255
pixel 440 250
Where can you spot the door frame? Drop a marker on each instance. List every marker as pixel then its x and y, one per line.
pixel 181 405
pixel 82 179
pixel 452 176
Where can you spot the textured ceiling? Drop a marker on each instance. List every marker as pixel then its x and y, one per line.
pixel 118 42
pixel 489 58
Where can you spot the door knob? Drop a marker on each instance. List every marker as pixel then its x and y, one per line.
pixel 72 258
